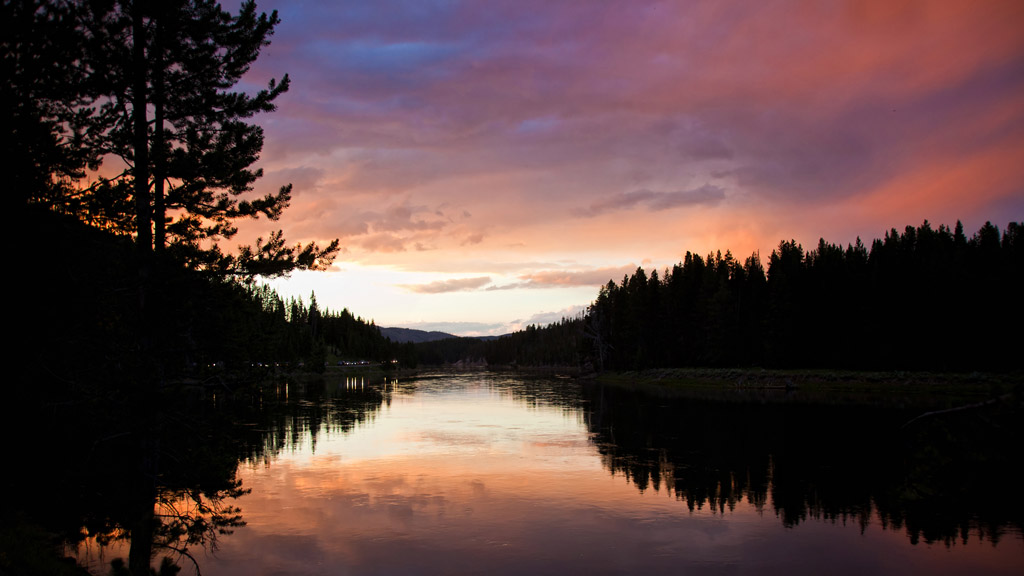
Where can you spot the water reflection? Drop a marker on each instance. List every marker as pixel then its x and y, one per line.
pixel 500 474
pixel 935 478
pixel 507 475
pixel 160 471
pixel 287 415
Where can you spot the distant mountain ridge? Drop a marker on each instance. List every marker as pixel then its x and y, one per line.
pixel 403 335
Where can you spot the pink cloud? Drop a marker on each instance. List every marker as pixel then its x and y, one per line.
pixel 565 278
pixel 474 238
pixel 383 242
pixel 444 286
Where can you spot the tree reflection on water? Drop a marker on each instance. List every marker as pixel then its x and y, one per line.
pixel 936 477
pixel 157 471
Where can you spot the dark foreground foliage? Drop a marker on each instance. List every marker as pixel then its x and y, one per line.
pixel 132 315
pixel 117 406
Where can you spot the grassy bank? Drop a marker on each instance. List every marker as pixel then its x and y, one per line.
pixel 818 386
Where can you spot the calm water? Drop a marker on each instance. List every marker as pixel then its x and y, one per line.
pixel 490 474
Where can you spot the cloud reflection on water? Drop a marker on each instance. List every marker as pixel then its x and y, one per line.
pixel 460 478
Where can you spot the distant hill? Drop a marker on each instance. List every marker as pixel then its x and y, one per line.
pixel 403 335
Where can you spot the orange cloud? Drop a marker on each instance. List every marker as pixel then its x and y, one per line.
pixel 443 286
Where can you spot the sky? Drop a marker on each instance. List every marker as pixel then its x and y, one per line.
pixel 490 164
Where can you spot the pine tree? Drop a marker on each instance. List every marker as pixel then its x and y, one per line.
pixel 46 109
pixel 152 83
pixel 165 72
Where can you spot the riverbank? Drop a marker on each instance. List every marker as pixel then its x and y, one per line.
pixel 820 386
pixel 930 390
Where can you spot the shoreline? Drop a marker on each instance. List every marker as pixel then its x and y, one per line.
pixel 819 385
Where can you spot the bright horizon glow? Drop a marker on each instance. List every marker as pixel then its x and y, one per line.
pixel 490 167
pixel 387 291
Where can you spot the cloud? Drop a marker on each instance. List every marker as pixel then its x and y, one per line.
pixel 383 243
pixel 541 319
pixel 545 318
pixel 567 278
pixel 444 286
pixel 595 277
pixel 475 238
pixel 706 195
pixel 695 125
pixel 393 229
pixel 461 328
pixel 304 179
pixel 402 217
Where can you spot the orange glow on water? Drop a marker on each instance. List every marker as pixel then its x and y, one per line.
pixel 472 479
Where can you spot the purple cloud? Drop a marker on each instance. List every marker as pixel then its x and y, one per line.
pixel 707 195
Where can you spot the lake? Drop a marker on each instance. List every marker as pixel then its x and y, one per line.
pixel 488 473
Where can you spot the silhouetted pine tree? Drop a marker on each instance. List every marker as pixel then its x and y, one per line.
pixel 924 298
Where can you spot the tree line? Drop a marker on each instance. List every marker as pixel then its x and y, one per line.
pixel 301 335
pixel 923 298
pixel 559 344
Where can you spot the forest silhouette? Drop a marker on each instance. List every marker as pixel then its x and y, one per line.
pixel 924 299
pixel 921 299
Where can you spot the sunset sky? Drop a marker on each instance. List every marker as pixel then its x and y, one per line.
pixel 489 164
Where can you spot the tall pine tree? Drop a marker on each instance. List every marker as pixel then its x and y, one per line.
pixel 162 75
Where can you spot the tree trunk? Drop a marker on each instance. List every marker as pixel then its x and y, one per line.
pixel 140 554
pixel 140 171
pixel 141 524
pixel 159 150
